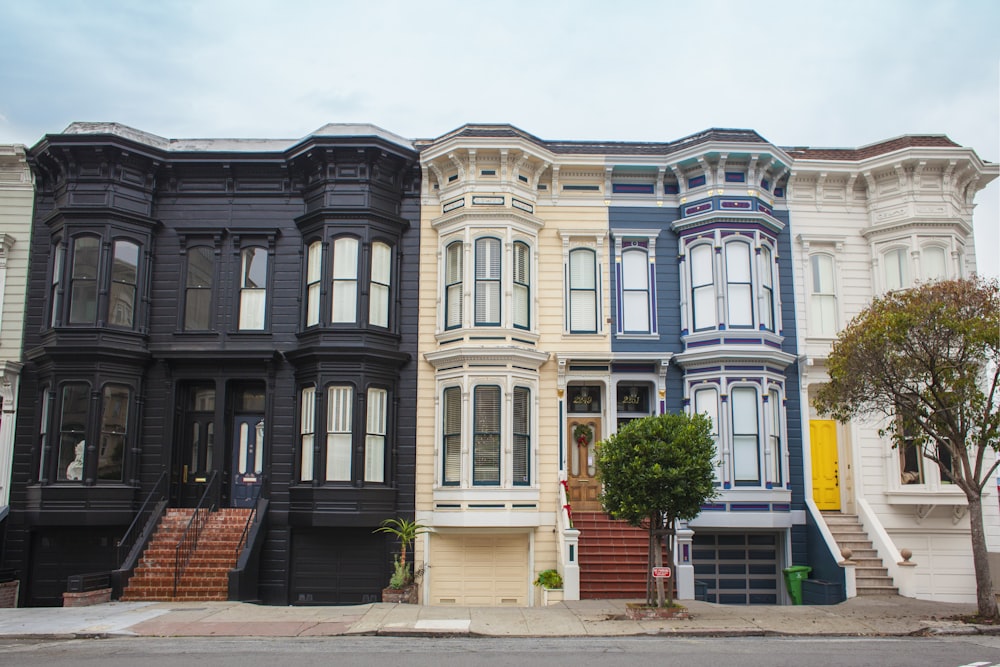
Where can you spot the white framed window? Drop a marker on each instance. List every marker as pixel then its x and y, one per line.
pixel 307 432
pixel 486 435
pixel 635 290
pixel 381 276
pixel 521 437
pixel 345 280
pixel 375 435
pixel 451 445
pixel 253 288
pixel 339 433
pixel 199 279
pixel 706 402
pixel 521 304
pixel 124 282
pixel 495 422
pixel 739 285
pixel 454 255
pixel 822 296
pixel 314 277
pixel 775 442
pixel 746 435
pixel 896 269
pixel 933 263
pixel 702 258
pixel 488 281
pixel 766 303
pixel 582 281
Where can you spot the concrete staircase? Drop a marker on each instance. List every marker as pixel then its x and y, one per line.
pixel 871 576
pixel 613 557
pixel 207 574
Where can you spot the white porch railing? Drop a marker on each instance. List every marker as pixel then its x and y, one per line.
pixel 569 545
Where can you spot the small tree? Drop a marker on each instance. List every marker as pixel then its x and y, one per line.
pixel 406 532
pixel 656 471
pixel 928 358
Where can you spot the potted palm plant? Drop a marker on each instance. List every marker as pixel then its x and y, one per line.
pixel 402 584
pixel 551 583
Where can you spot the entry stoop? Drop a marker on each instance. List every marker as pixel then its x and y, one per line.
pixel 613 557
pixel 870 574
pixel 206 576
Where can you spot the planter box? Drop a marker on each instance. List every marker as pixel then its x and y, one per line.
pixel 551 596
pixel 8 594
pixel 87 598
pixel 406 595
pixel 641 612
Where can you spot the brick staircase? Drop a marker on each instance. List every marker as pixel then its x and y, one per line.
pixel 207 574
pixel 871 576
pixel 613 557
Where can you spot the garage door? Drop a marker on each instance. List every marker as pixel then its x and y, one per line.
pixel 479 570
pixel 736 568
pixel 338 566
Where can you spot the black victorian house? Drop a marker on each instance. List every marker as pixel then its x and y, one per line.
pixel 218 324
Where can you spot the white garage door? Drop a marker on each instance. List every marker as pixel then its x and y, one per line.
pixel 479 570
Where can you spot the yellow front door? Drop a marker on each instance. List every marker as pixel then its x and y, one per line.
pixel 825 464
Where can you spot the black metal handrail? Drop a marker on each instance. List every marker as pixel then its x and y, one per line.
pixel 252 517
pixel 189 538
pixel 125 545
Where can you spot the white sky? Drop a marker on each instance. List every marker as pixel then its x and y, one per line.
pixel 821 74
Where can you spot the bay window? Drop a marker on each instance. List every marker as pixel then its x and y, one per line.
pixel 453 285
pixel 314 276
pixel 486 435
pixel 375 435
pixel 307 432
pixel 739 285
pixel 83 280
pixel 451 446
pixel 339 433
pixel 521 303
pixel 381 275
pixel 703 287
pixel 345 280
pixel 746 443
pixel 487 298
pixel 124 280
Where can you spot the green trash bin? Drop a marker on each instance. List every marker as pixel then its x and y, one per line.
pixel 793 579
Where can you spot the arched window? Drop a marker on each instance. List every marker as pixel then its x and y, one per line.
pixel 702 287
pixel 381 277
pixel 345 280
pixel 635 290
pixel 453 285
pixel 739 285
pixel 83 280
pixel 124 278
pixel 521 304
pixel 582 291
pixel 896 268
pixel 933 264
pixel 253 288
pixel 488 279
pixel 823 297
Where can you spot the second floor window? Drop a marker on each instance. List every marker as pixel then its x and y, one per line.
pixel 307 432
pixel 703 287
pixel 253 288
pixel 339 430
pixel 345 280
pixel 488 281
pixel 314 275
pixel 739 285
pixel 635 292
pixel 381 275
pixel 124 280
pixel 897 270
pixel 453 285
pixel 198 288
pixel 823 297
pixel 522 286
pixel 83 280
pixel 582 291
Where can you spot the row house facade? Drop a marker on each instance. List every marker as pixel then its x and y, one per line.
pixel 16 200
pixel 882 217
pixel 355 326
pixel 219 322
pixel 579 285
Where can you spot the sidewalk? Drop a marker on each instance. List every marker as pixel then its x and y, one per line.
pixel 867 616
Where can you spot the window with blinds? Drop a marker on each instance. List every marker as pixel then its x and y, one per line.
pixel 375 436
pixel 521 304
pixel 486 436
pixel 453 285
pixel 345 280
pixel 452 434
pixel 338 433
pixel 307 432
pixel 488 282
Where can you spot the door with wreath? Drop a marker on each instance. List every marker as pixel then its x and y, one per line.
pixel 583 430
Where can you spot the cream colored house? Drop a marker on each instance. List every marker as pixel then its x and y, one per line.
pixel 511 287
pixel 16 201
pixel 864 221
